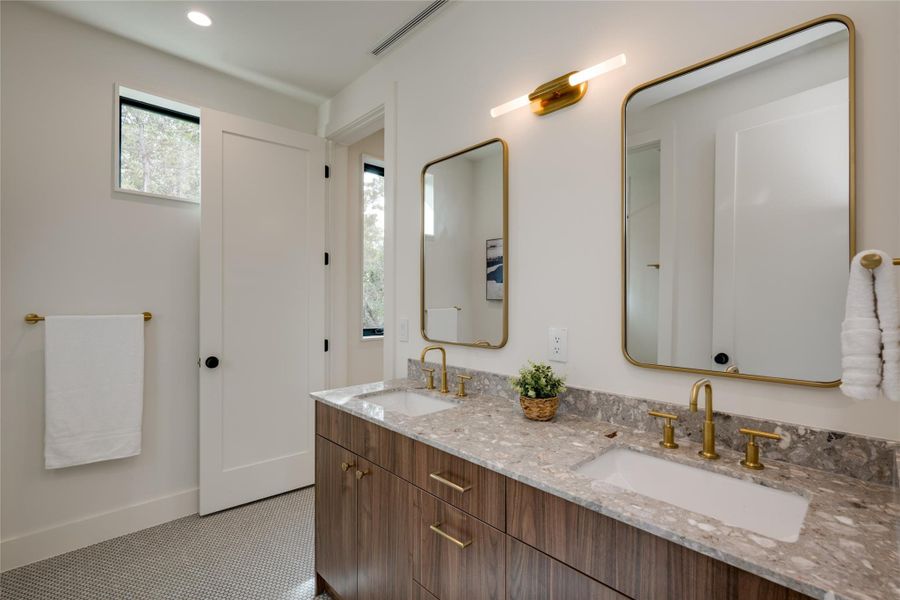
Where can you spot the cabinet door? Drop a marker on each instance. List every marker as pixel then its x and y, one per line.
pixel 532 575
pixel 336 518
pixel 459 557
pixel 384 543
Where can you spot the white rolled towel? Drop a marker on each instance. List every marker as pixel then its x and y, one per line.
pixel 860 337
pixel 888 311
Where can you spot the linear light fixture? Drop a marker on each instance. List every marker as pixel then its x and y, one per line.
pixel 560 92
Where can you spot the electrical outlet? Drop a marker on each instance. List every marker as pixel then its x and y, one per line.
pixel 559 344
pixel 404 330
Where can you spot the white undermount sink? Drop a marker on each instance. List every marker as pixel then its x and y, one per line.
pixel 770 512
pixel 407 402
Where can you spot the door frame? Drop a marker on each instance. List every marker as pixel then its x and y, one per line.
pixel 382 116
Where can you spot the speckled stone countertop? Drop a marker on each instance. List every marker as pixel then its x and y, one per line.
pixel 847 549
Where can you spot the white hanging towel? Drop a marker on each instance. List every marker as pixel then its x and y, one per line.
pixel 94 388
pixel 443 324
pixel 870 333
pixel 887 308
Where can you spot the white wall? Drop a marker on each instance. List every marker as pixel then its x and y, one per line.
pixel 564 169
pixel 364 356
pixel 71 246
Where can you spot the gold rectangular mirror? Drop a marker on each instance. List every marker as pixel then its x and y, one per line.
pixel 738 210
pixel 464 245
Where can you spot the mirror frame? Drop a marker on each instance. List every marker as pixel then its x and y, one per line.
pixel 505 208
pixel 852 191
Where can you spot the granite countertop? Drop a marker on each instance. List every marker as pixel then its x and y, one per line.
pixel 847 549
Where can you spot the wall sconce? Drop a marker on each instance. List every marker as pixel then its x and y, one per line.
pixel 560 92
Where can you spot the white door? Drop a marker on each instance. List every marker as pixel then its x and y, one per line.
pixel 774 283
pixel 262 290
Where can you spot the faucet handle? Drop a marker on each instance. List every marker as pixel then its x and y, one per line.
pixel 668 440
pixel 461 392
pixel 429 378
pixel 751 458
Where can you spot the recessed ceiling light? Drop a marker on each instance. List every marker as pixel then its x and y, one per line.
pixel 198 18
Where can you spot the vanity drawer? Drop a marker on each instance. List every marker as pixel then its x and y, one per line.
pixel 458 557
pixel 333 424
pixel 385 448
pixel 476 490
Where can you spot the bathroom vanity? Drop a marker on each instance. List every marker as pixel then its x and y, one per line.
pixel 467 500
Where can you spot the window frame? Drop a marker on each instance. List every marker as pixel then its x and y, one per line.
pixel 167 106
pixel 377 168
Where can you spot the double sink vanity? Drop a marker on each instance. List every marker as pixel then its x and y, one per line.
pixel 425 495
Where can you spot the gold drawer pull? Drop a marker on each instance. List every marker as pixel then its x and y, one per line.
pixel 437 529
pixel 453 486
pixel 346 465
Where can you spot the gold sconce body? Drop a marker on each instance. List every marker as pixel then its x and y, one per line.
pixel 556 94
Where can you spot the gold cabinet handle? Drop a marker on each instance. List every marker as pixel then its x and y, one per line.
pixel 461 392
pixel 361 474
pixel 453 486
pixel 751 457
pixel 345 466
pixel 668 440
pixel 458 543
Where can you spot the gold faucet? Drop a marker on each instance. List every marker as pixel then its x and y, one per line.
pixel 444 387
pixel 709 428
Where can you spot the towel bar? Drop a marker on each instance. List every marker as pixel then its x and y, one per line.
pixel 456 307
pixel 873 261
pixel 35 318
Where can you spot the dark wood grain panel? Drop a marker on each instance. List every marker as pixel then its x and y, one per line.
pixel 333 424
pixel 570 533
pixel 384 534
pixel 420 593
pixel 485 499
pixel 385 448
pixel 476 572
pixel 532 575
pixel 335 519
pixel 753 587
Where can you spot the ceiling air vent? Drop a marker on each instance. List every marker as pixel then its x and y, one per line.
pixel 409 26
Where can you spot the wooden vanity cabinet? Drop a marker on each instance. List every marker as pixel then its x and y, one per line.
pixel 496 538
pixel 363 535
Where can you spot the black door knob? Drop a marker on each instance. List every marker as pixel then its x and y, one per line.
pixel 211 362
pixel 721 358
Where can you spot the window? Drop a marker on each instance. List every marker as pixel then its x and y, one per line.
pixel 429 205
pixel 159 146
pixel 373 250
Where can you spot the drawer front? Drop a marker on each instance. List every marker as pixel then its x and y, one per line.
pixel 532 575
pixel 333 424
pixel 458 556
pixel 476 490
pixel 570 533
pixel 385 448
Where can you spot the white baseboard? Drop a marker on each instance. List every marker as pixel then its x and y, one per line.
pixel 44 543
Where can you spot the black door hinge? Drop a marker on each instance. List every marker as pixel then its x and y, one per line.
pixel 327 171
pixel 327 258
pixel 326 345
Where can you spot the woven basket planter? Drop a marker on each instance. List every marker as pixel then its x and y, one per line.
pixel 539 409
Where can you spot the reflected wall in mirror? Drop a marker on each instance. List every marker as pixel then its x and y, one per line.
pixel 738 210
pixel 464 247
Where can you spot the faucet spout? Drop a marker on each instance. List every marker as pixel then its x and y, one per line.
pixel 709 426
pixel 445 388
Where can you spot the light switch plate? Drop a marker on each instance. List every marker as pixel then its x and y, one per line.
pixel 559 344
pixel 404 330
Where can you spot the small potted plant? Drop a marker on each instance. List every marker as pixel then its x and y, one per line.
pixel 539 389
